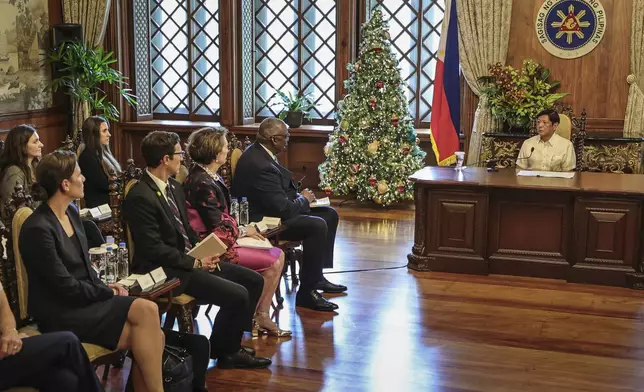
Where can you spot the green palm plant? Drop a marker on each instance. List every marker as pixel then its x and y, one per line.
pixel 84 72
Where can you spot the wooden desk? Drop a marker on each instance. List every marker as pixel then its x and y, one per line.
pixel 586 229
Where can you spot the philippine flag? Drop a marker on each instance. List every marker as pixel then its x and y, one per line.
pixel 446 103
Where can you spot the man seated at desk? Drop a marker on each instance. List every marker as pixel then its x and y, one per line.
pixel 547 151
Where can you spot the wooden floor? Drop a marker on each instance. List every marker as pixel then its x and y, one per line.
pixel 399 330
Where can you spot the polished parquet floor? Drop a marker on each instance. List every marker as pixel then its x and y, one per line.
pixel 399 330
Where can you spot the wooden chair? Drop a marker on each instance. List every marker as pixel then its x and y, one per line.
pixel 181 306
pixel 19 209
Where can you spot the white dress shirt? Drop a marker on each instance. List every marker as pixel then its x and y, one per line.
pixel 159 183
pixel 557 154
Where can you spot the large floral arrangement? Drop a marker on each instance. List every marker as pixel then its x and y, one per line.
pixel 517 96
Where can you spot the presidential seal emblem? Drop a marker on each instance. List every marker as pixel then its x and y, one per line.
pixel 570 28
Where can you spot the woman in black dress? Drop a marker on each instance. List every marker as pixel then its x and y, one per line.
pixel 65 294
pixel 96 161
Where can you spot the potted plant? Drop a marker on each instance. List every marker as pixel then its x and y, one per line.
pixel 82 74
pixel 515 97
pixel 295 108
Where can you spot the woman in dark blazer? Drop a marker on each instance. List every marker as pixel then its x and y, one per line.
pixel 208 206
pixel 65 294
pixel 96 161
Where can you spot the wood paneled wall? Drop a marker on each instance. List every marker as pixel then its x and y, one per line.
pixel 50 123
pixel 597 81
pixel 51 127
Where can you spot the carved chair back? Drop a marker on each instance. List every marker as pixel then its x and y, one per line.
pixel 18 209
pixel 129 176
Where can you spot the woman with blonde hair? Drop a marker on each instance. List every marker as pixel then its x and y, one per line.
pixel 208 203
pixel 96 161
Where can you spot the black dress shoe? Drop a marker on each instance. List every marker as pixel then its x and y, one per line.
pixel 313 300
pixel 329 287
pixel 249 350
pixel 242 360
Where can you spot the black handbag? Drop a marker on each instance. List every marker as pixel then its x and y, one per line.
pixel 198 347
pixel 177 370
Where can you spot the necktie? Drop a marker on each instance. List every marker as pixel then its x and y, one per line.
pixel 177 216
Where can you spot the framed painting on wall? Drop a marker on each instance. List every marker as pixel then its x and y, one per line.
pixel 24 40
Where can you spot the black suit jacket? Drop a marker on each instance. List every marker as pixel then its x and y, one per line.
pixel 157 239
pixel 60 280
pixel 268 186
pixel 97 185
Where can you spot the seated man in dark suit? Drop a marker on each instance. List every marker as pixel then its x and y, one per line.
pixel 155 210
pixel 270 191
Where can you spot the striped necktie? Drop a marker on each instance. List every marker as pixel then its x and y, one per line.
pixel 177 216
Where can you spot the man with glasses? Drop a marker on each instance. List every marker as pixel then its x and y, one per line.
pixel 155 210
pixel 271 191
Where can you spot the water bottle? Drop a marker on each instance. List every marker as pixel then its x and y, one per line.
pixel 124 261
pixel 243 212
pixel 109 239
pixel 98 258
pixel 110 266
pixel 234 209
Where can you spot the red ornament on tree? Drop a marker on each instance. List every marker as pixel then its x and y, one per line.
pixel 380 84
pixel 394 121
pixel 378 50
pixel 343 139
pixel 372 102
pixel 356 168
pixel 401 189
pixel 373 181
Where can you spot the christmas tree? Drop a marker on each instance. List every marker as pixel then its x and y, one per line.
pixel 373 148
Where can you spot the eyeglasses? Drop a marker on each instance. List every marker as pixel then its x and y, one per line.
pixel 285 136
pixel 181 153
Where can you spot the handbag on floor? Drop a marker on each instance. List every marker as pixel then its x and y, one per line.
pixel 184 362
pixel 198 347
pixel 176 369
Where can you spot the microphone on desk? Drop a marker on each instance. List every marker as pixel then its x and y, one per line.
pixel 529 155
pixel 491 163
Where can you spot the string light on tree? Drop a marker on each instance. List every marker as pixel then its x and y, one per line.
pixel 373 149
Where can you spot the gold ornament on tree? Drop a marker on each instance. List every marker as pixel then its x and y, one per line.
pixel 327 148
pixel 382 187
pixel 372 148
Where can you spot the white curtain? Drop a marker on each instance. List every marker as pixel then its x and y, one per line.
pixel 634 120
pixel 484 31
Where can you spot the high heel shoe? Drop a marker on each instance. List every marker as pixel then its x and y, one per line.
pixel 263 325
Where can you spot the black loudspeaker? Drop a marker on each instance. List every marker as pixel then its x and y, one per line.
pixel 67 32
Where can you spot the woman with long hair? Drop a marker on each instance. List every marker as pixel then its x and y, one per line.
pixel 208 204
pixel 96 161
pixel 22 150
pixel 65 293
